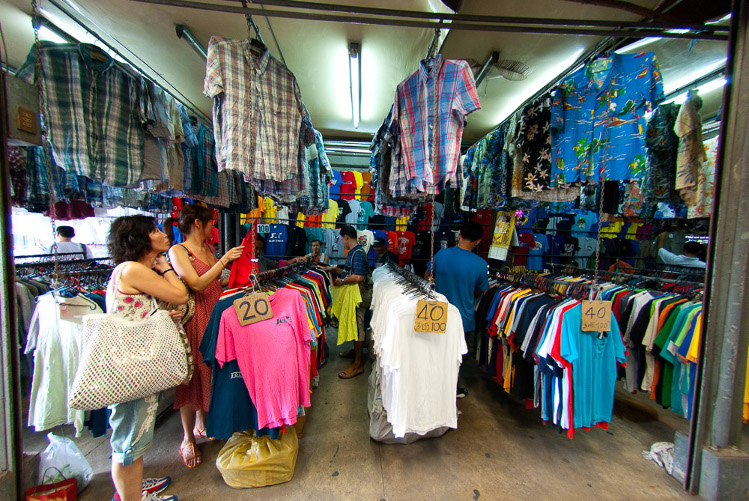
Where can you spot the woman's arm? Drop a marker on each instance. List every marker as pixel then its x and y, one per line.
pixel 186 271
pixel 137 278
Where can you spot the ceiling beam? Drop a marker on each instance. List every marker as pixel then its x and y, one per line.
pixel 705 33
pixel 629 7
pixel 436 16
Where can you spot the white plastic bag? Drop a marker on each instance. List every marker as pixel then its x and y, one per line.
pixel 64 456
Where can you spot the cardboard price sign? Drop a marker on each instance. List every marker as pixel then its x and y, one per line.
pixel 596 316
pixel 252 308
pixel 263 228
pixel 431 316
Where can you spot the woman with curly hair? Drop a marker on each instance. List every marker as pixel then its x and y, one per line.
pixel 197 265
pixel 142 276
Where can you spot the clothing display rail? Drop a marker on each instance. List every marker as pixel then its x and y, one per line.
pixel 603 273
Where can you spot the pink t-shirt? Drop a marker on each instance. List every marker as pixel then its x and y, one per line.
pixel 273 357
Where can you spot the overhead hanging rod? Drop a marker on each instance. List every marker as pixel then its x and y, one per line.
pixel 436 16
pixel 706 33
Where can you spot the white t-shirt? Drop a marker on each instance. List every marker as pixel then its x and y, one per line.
pixel 365 239
pixel 68 247
pixel 669 257
pixel 352 218
pixel 419 370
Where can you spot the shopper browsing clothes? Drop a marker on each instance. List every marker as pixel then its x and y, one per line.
pixel 64 244
pixel 142 273
pixel 196 264
pixel 461 275
pixel 355 271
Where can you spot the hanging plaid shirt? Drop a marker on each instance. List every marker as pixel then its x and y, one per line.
pixel 430 108
pixel 94 113
pixel 257 122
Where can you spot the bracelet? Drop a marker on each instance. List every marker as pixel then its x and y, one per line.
pixel 167 270
pixel 222 262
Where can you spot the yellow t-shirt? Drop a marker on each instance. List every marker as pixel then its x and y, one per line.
pixel 300 220
pixel 401 223
pixel 270 210
pixel 330 215
pixel 345 299
pixel 359 184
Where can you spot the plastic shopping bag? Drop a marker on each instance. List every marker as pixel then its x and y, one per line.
pixel 65 490
pixel 64 460
pixel 248 461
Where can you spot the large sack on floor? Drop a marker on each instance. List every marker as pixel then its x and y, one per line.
pixel 248 461
pixel 379 427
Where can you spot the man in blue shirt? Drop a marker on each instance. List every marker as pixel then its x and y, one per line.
pixel 356 271
pixel 461 275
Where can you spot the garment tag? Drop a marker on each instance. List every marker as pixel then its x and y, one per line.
pixel 596 316
pixel 252 308
pixel 431 316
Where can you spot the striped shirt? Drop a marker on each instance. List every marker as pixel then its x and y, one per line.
pixel 95 119
pixel 257 121
pixel 430 110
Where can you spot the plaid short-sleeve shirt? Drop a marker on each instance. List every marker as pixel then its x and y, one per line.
pixel 261 110
pixel 430 110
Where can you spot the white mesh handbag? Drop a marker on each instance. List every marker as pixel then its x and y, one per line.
pixel 125 360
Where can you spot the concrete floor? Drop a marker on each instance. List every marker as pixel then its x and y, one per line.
pixel 500 451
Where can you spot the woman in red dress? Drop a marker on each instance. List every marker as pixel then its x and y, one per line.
pixel 196 264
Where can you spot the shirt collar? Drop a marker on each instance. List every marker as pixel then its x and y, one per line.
pixel 436 67
pixel 260 64
pixel 85 52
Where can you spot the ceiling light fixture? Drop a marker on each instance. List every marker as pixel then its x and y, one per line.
pixel 675 85
pixel 703 89
pixel 354 54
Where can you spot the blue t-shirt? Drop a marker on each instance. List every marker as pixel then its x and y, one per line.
pixel 372 255
pixel 594 370
pixel 335 186
pixel 366 210
pixel 536 259
pixel 275 246
pixel 231 408
pixel 313 234
pixel 458 274
pixel 585 224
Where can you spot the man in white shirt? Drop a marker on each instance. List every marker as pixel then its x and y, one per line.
pixel 687 258
pixel 65 245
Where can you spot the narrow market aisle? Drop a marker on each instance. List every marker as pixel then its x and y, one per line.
pixel 500 451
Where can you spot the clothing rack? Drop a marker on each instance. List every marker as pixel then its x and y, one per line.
pixel 76 262
pixel 410 278
pixel 264 276
pixel 45 256
pixel 541 282
pixel 633 275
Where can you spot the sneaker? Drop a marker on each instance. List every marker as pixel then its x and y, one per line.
pixel 462 393
pixel 156 497
pixel 151 486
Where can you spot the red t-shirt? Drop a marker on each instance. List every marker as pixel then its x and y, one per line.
pixel 484 218
pixel 406 240
pixel 243 267
pixel 527 242
pixel 392 241
pixel 348 187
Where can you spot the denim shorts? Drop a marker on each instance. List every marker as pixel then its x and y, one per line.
pixel 132 428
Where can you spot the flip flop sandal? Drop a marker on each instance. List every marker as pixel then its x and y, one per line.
pixel 342 375
pixel 198 433
pixel 196 457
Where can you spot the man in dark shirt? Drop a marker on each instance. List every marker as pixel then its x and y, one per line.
pixel 356 271
pixel 380 247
